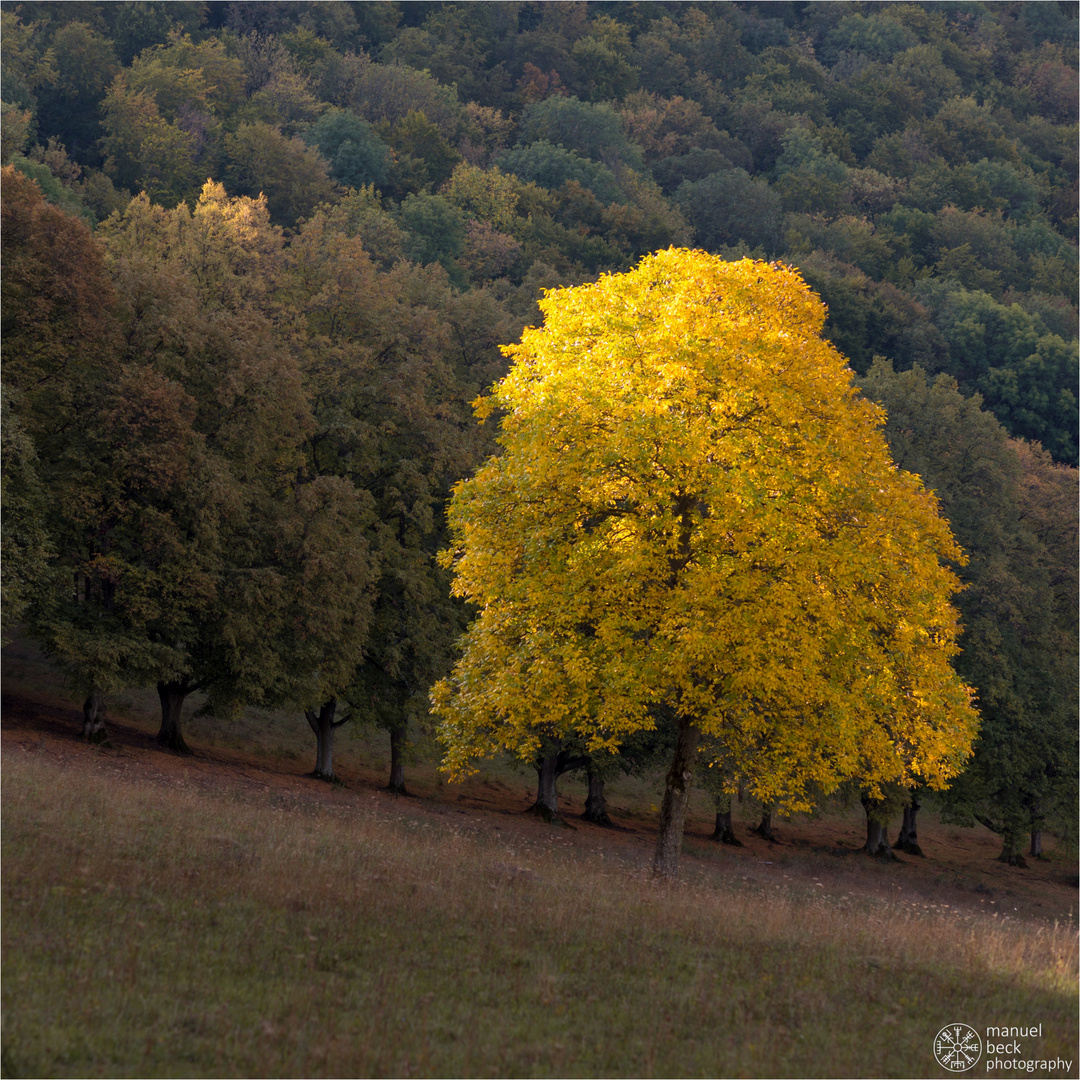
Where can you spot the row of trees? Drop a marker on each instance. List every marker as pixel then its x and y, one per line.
pixel 226 456
pixel 1014 512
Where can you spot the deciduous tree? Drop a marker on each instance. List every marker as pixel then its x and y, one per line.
pixel 389 361
pixel 695 512
pixel 59 351
pixel 217 563
pixel 1014 511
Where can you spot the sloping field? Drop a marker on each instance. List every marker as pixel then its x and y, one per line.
pixel 224 915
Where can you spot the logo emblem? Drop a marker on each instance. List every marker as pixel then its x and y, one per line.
pixel 957 1047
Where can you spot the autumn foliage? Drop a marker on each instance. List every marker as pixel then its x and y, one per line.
pixel 695 517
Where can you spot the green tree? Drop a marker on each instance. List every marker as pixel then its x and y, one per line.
pixel 59 346
pixel 27 66
pixel 138 26
pixel 279 95
pixel 186 76
pixel 424 159
pixel 436 230
pixel 604 61
pixel 1014 513
pixel 57 193
pixel 809 178
pixel 693 512
pixel 877 36
pixel 361 213
pixel 260 160
pixel 646 221
pixel 868 317
pixel 27 547
pixel 214 563
pixel 357 156
pixel 454 46
pixel 390 362
pixel 387 93
pixel 551 166
pixel 731 207
pixel 1027 378
pixel 85 65
pixel 144 151
pixel 595 131
pixel 1048 512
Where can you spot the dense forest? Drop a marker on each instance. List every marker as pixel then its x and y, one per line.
pixel 259 258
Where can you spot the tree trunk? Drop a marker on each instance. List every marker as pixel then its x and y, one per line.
pixel 1036 844
pixel 548 770
pixel 1011 841
pixel 547 795
pixel 172 696
pixel 764 827
pixel 322 723
pixel 1010 850
pixel 93 730
pixel 724 833
pixel 595 803
pixel 397 760
pixel 908 840
pixel 676 798
pixel 877 840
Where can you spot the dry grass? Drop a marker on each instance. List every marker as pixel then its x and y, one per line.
pixel 156 929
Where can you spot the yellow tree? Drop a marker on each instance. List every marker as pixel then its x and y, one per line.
pixel 695 516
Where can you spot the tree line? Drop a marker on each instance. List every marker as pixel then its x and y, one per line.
pixel 228 455
pixel 234 411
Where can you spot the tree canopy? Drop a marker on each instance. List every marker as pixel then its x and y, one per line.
pixel 917 162
pixel 694 513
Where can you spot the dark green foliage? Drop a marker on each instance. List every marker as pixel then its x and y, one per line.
pixel 70 108
pixel 808 177
pixel 357 155
pixel 593 131
pixel 731 208
pixel 551 166
pixel 604 61
pixel 436 229
pixel 391 361
pixel 261 160
pixel 138 26
pixel 692 166
pixel 878 37
pixel 424 159
pixel 27 547
pixel 1027 378
pixel 387 93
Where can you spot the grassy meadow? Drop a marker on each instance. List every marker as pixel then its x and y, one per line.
pixel 174 925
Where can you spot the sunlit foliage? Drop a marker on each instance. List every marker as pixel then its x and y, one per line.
pixel 694 513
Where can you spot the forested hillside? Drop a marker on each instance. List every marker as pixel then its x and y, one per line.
pixel 259 258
